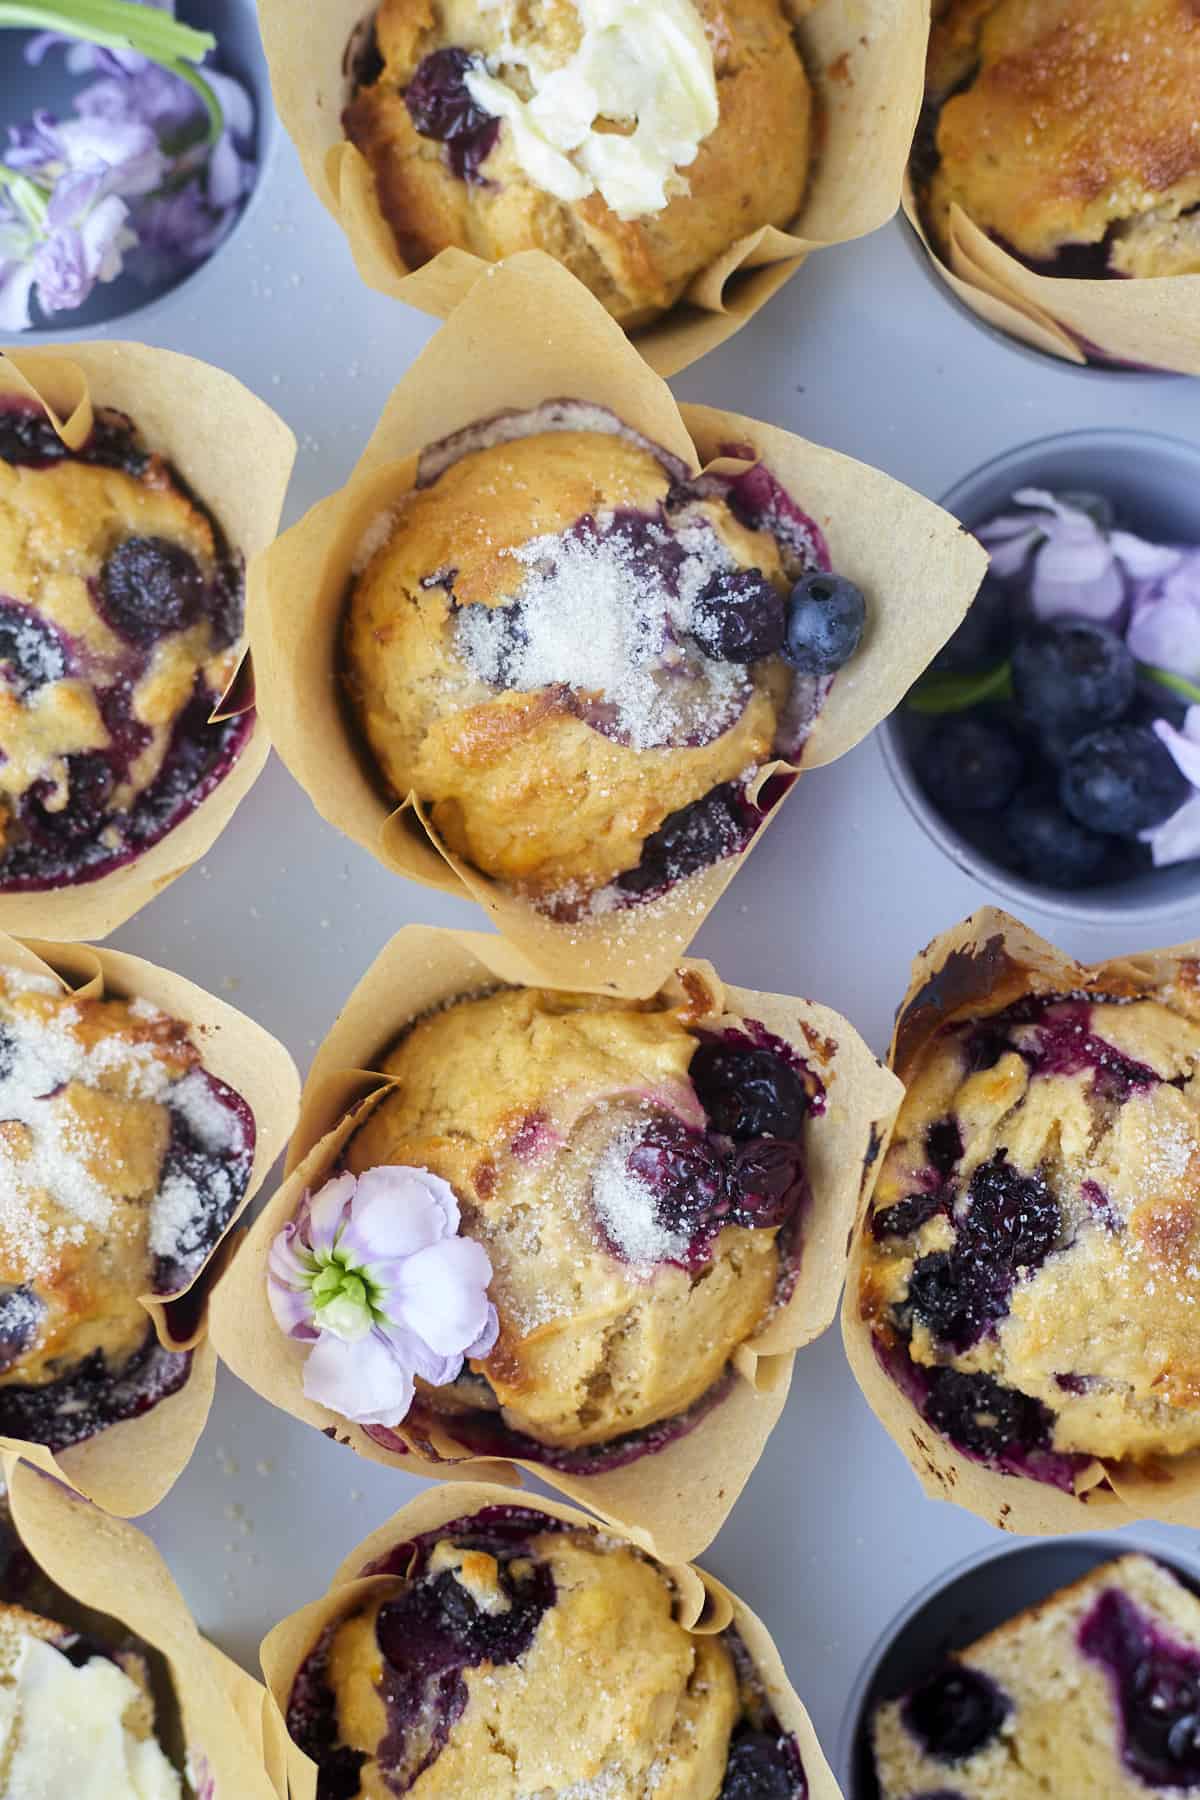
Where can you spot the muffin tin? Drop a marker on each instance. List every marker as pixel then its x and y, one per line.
pixel 863 352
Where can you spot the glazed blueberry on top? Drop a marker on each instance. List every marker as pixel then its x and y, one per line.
pixel 640 1187
pixel 524 1656
pixel 580 658
pixel 1030 1273
pixel 120 621
pixel 122 1161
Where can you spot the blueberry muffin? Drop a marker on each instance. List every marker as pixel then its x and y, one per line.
pixel 640 1188
pixel 1066 130
pixel 578 657
pixel 1096 1692
pixel 527 1656
pixel 122 1160
pixel 120 628
pixel 1031 1264
pixel 635 144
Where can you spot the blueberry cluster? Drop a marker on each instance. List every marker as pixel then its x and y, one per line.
pixel 1158 1685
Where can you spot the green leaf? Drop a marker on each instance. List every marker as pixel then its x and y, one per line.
pixel 113 24
pixel 942 691
pixel 1179 684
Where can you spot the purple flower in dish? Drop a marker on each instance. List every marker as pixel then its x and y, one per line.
pixel 1164 626
pixel 373 1274
pixel 1074 566
pixel 1177 839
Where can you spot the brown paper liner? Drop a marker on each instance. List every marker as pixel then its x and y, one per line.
pixel 202 421
pixel 867 68
pixel 917 566
pixel 127 1468
pixel 110 1566
pixel 978 967
pixel 1150 321
pixel 706 1606
pixel 673 1501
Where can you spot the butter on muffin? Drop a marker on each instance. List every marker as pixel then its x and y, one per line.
pixel 640 1190
pixel 527 1656
pixel 635 144
pixel 578 658
pixel 1032 1258
pixel 122 1161
pixel 1095 1691
pixel 1066 130
pixel 120 629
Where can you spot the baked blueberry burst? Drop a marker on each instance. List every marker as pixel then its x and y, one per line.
pixel 580 657
pixel 631 1195
pixel 120 627
pixel 122 1161
pixel 1032 1263
pixel 525 1656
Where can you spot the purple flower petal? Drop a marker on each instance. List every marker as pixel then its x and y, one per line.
pixel 1177 839
pixel 224 173
pixel 1143 560
pixel 1164 629
pixel 429 1202
pixel 485 1343
pixel 416 1355
pixel 16 283
pixel 364 1382
pixel 326 1212
pixel 1184 745
pixel 441 1294
pixel 235 104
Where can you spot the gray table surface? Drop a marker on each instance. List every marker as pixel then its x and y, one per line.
pixel 863 352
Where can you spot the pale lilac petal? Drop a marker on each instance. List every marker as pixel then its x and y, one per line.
pixel 72 196
pixel 1008 554
pixel 235 104
pixel 1143 560
pixel 363 1382
pixel 16 283
pixel 290 1308
pixel 224 174
pixel 411 1350
pixel 441 1294
pixel 326 1211
pixel 1164 629
pixel 1184 745
pixel 485 1343
pixel 1177 839
pixel 104 238
pixel 438 1191
pixel 396 1212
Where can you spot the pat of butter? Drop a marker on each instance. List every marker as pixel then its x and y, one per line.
pixel 649 66
pixel 61 1733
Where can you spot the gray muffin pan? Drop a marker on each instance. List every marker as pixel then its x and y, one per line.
pixel 861 351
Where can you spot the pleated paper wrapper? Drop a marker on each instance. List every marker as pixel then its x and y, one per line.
pixel 978 967
pixel 916 565
pixel 127 1468
pixel 865 61
pixel 673 1500
pixel 236 455
pixel 705 1607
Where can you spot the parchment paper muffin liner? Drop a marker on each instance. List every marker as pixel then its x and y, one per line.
pixel 1150 321
pixel 978 967
pixel 127 1468
pixel 866 64
pixel 237 456
pixel 705 1608
pixel 109 1566
pixel 672 1500
pixel 917 566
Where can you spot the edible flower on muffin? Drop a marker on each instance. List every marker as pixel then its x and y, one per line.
pixel 373 1274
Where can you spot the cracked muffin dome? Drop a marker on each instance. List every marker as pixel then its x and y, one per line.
pixel 572 653
pixel 1032 1258
pixel 1095 1691
pixel 121 1162
pixel 1066 130
pixel 120 625
pixel 635 144
pixel 524 1656
pixel 639 1188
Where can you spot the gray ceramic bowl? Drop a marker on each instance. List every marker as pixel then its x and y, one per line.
pixel 234 24
pixel 1154 483
pixel 960 1606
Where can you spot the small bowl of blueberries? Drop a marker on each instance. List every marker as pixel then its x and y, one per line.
pixel 1052 748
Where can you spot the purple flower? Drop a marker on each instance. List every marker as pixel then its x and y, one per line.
pixel 373 1275
pixel 1177 839
pixel 1164 629
pixel 1078 569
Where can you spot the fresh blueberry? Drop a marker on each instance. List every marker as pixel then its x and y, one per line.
pixel 982 1417
pixel 1122 780
pixel 826 617
pixel 761 1766
pixel 969 764
pixel 149 587
pixel 683 1172
pixel 1071 675
pixel 739 617
pixel 441 106
pixel 32 653
pixel 983 638
pixel 955 1713
pixel 748 1092
pixel 718 825
pixel 90 782
pixel 1044 842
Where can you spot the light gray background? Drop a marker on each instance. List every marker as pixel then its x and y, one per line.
pixel 864 352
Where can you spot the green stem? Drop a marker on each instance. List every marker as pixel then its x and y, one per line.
pixel 28 194
pixel 942 691
pixel 1179 684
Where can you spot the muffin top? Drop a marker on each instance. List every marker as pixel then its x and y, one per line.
pixel 1092 1691
pixel 1033 1249
pixel 564 649
pixel 629 1177
pixel 75 1719
pixel 527 1657
pixel 1071 122
pixel 118 632
pixel 635 144
pixel 121 1162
